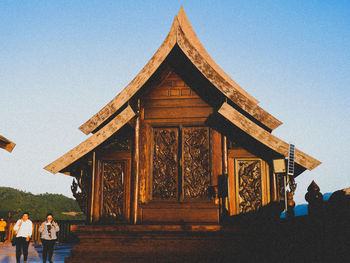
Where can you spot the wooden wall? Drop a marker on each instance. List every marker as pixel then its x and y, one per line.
pixel 171 110
pixel 173 105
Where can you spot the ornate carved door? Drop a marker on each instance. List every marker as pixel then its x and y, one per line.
pixel 195 168
pixel 115 192
pixel 165 163
pixel 249 190
pixel 250 184
pixel 180 163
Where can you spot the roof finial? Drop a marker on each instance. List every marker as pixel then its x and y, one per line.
pixel 182 11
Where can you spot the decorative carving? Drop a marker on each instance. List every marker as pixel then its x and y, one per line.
pixel 280 188
pixel 313 193
pixel 80 187
pixel 196 175
pixel 290 194
pixel 292 185
pixel 315 199
pixel 165 163
pixel 119 143
pixel 113 188
pixel 249 181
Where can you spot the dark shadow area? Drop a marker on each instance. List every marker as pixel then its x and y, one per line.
pixel 323 236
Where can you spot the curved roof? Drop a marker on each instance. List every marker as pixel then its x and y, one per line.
pixel 92 142
pixel 183 35
pixel 265 137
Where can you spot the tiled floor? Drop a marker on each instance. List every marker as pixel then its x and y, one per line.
pixel 8 253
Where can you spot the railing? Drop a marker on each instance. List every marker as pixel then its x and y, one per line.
pixel 63 236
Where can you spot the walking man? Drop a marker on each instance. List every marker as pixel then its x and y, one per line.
pixel 24 230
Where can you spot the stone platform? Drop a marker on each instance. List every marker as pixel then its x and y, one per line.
pixel 161 243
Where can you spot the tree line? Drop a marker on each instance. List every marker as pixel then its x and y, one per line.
pixel 17 202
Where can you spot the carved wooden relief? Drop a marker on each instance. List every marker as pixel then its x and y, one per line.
pixel 196 176
pixel 120 142
pixel 81 185
pixel 172 87
pixel 280 188
pixel 113 173
pixel 248 176
pixel 165 163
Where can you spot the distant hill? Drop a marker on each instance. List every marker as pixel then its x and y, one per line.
pixel 17 202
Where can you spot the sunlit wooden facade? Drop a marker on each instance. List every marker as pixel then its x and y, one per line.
pixel 181 144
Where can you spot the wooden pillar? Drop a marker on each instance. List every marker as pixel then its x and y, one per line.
pixel 225 159
pixel 274 188
pixel 136 162
pixel 216 161
pixel 92 197
pixel 224 199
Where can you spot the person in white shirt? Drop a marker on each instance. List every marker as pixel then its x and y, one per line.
pixel 24 230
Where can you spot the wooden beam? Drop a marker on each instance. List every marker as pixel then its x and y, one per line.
pixel 265 137
pixel 92 142
pixel 6 144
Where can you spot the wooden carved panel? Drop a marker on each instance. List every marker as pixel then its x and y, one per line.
pixel 249 184
pixel 120 142
pixel 113 173
pixel 81 185
pixel 165 163
pixel 280 187
pixel 196 175
pixel 172 86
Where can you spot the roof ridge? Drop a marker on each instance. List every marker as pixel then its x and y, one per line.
pixel 186 26
pixel 182 34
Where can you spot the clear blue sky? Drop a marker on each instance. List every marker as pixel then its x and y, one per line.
pixel 61 61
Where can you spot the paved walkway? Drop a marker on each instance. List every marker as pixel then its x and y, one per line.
pixel 8 253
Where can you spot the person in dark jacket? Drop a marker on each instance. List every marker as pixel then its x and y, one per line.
pixel 48 230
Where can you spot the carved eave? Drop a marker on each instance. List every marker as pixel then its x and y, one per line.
pixel 6 144
pixel 265 137
pixel 182 35
pixel 92 142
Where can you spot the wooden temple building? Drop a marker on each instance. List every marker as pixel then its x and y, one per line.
pixel 6 144
pixel 174 154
